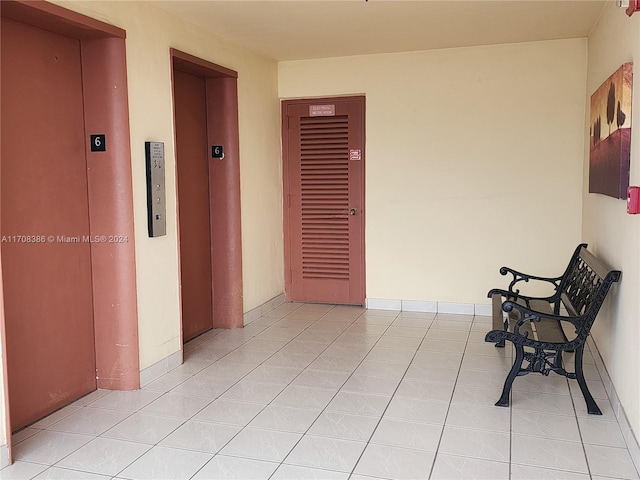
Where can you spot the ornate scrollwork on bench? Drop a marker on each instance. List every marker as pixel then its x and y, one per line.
pixel 536 323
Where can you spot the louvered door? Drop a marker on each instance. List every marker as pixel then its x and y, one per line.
pixel 324 217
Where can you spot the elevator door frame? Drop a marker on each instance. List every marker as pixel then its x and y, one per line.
pixel 221 86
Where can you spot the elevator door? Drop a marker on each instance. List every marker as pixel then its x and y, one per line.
pixel 189 93
pixel 44 217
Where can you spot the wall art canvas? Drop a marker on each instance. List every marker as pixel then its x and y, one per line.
pixel 610 135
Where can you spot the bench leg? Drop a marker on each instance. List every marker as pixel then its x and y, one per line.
pixel 513 373
pixel 592 407
pixel 500 344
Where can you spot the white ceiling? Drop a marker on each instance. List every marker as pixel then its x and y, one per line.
pixel 307 29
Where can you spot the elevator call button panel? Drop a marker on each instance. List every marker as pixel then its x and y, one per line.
pixel 156 195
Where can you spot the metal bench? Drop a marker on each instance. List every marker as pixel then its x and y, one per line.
pixel 541 328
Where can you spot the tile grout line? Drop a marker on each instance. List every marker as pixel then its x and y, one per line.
pixel 584 450
pixel 139 410
pixel 338 391
pixel 451 399
pixel 284 388
pixel 368 442
pixel 240 379
pixel 290 382
pixel 353 321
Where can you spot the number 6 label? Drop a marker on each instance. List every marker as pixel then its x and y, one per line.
pixel 217 151
pixel 98 143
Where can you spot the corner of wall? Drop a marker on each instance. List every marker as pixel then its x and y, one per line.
pixel 260 310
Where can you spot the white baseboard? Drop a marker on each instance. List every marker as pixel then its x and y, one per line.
pixel 456 308
pixel 419 306
pixel 260 310
pixel 382 304
pixel 627 432
pixel 428 306
pixel 483 310
pixel 158 369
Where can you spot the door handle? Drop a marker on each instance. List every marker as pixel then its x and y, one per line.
pixel 353 211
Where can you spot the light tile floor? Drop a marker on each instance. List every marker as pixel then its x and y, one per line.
pixel 333 392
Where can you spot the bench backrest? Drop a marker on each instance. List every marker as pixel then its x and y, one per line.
pixel 585 285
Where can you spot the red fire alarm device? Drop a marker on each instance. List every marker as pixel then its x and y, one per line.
pixel 633 200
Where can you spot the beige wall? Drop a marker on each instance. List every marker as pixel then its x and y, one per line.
pixel 150 34
pixel 611 232
pixel 473 161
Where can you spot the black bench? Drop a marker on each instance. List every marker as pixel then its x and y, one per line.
pixel 541 328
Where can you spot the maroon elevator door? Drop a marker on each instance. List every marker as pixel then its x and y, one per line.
pixel 44 215
pixel 193 203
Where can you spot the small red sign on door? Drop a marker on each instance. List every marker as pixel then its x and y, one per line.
pixel 355 154
pixel 322 110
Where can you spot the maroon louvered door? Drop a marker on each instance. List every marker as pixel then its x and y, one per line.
pixel 324 200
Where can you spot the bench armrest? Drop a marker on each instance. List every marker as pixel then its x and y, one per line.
pixel 524 277
pixel 516 295
pixel 530 315
pixel 508 295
